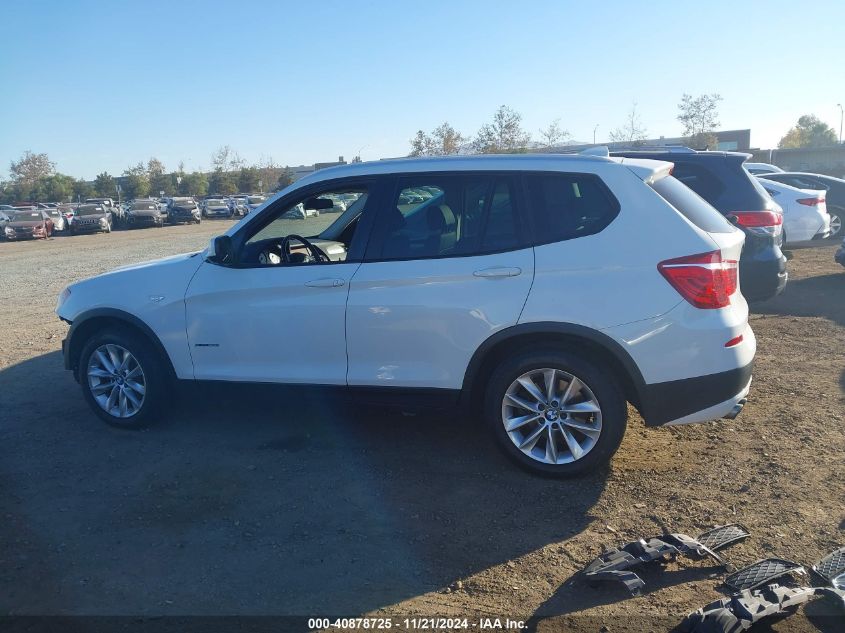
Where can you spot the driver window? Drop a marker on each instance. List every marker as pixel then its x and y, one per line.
pixel 326 219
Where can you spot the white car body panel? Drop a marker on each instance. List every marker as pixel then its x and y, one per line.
pixel 153 292
pixel 418 323
pixel 801 222
pixel 275 324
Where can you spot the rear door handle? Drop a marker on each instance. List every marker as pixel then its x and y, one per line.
pixel 498 271
pixel 325 282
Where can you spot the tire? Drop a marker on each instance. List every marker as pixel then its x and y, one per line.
pixel 837 215
pixel 151 377
pixel 108 228
pixel 602 431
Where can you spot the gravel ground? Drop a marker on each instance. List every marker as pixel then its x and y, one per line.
pixel 255 501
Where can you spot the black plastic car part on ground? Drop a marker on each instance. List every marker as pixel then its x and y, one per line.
pixel 742 610
pixel 615 564
pixel 762 573
pixel 721 180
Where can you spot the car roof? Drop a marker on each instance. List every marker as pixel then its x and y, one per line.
pixel 480 162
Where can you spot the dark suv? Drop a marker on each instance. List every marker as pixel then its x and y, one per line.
pixel 720 179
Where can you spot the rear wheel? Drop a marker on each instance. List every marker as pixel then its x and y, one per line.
pixel 122 378
pixel 836 216
pixel 555 413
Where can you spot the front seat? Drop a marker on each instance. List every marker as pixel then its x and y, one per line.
pixel 443 229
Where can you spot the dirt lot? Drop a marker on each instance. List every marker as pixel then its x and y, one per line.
pixel 248 501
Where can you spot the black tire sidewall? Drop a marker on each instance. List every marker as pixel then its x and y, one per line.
pixel 151 364
pixel 613 406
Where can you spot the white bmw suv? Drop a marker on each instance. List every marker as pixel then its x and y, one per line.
pixel 543 291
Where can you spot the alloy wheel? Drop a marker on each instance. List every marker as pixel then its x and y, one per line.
pixel 551 416
pixel 835 225
pixel 116 380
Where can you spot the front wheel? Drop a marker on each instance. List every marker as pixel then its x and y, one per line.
pixel 121 378
pixel 555 413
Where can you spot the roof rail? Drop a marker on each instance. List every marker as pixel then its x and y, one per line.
pixel 598 150
pixel 674 149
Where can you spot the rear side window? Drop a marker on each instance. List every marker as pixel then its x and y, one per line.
pixel 691 205
pixel 567 206
pixel 700 179
pixel 450 216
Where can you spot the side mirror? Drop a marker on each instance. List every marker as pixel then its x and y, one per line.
pixel 220 250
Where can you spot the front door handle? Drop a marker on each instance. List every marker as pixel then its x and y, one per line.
pixel 325 282
pixel 498 271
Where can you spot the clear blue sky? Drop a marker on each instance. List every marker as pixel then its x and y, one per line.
pixel 102 85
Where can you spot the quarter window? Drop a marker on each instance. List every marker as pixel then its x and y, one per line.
pixel 566 206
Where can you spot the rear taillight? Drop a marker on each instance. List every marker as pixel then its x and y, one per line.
pixel 705 280
pixel 812 202
pixel 758 219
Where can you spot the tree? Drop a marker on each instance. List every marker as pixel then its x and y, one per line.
pixel 504 134
pixel 222 182
pixel 154 168
pixel 285 179
pixel 248 179
pixel 444 140
pixel 135 182
pixel 226 159
pixel 553 135
pixel 59 187
pixel 162 182
pixel 31 168
pixel 194 184
pixel 633 131
pixel 809 132
pixel 104 185
pixel 81 190
pixel 699 117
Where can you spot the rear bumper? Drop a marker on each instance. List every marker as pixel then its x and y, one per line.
pixel 698 399
pixel 761 280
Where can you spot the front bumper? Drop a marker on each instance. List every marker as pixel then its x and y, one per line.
pixel 698 399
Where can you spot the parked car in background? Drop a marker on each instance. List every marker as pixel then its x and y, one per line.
pixel 4 220
pixel 116 211
pixel 804 212
pixel 59 222
pixel 839 256
pixel 253 202
pixel 216 208
pixel 299 212
pixel 531 288
pixel 183 210
pixel 761 168
pixel 66 209
pixel 835 199
pixel 239 205
pixel 91 218
pixel 720 179
pixel 28 223
pixel 143 213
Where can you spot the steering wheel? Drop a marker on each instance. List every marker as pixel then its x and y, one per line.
pixel 317 254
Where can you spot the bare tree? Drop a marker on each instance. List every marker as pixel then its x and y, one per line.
pixel 554 134
pixel 633 131
pixel 504 134
pixel 699 117
pixel 226 159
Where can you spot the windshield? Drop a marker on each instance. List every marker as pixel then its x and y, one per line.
pixel 185 204
pixel 25 216
pixel 256 199
pixel 215 203
pixel 90 209
pixel 144 206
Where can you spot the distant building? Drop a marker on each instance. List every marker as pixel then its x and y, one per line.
pixel 728 141
pixel 300 171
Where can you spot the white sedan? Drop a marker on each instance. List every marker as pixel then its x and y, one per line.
pixel 805 214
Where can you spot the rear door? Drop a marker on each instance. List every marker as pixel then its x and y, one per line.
pixel 448 265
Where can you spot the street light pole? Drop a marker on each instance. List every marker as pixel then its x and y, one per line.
pixel 594 133
pixel 841 112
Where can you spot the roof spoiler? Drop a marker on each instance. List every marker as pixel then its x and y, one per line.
pixel 650 171
pixel 598 150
